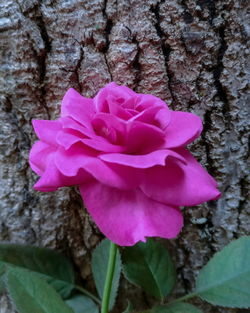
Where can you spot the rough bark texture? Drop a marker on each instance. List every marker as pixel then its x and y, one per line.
pixel 193 54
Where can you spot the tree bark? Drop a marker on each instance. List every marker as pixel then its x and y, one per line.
pixel 192 54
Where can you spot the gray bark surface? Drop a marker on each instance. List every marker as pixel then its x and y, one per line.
pixel 192 54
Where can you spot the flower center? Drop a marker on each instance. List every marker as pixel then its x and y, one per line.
pixel 102 130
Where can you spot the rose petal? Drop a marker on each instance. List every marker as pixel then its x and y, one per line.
pixel 132 112
pixel 117 110
pixel 111 121
pixel 102 145
pixel 183 128
pixel 70 123
pixel 68 138
pixel 141 161
pixel 126 217
pixel 163 118
pixel 52 178
pixel 70 161
pixel 144 101
pixel 156 116
pixel 143 138
pixel 112 93
pixel 129 103
pixel 112 124
pixel 78 107
pixel 147 115
pixel 47 130
pixel 39 156
pixel 73 133
pixel 178 184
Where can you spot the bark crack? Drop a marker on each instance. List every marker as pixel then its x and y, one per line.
pixel 42 60
pixel 77 68
pixel 187 16
pixel 107 31
pixel 108 66
pixel 136 62
pixel 221 93
pixel 166 49
pixel 108 28
pixel 207 123
pixel 22 143
pixel 210 5
pixel 35 15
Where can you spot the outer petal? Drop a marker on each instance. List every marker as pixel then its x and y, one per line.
pixel 70 123
pixel 183 128
pixel 70 161
pixel 39 156
pixel 178 184
pixel 141 161
pixel 78 107
pixel 47 130
pixel 52 178
pixel 67 138
pixel 127 217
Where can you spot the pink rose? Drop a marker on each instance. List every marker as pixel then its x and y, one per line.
pixel 127 153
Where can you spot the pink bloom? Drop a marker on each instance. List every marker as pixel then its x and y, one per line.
pixel 127 153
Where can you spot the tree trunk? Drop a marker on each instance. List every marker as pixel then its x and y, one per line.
pixel 191 54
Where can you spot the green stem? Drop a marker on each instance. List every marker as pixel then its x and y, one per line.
pixel 109 278
pixel 184 298
pixel 89 294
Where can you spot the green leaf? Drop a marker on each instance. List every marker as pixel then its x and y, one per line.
pixel 45 262
pixel 180 307
pixel 149 265
pixel 82 304
pixel 33 294
pixel 100 259
pixel 225 280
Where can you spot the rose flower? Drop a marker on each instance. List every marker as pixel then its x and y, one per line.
pixel 127 152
